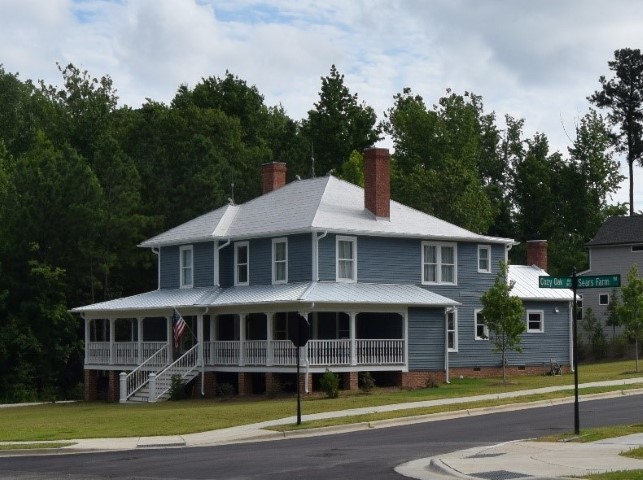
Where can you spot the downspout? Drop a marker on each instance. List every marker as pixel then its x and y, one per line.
pixel 446 343
pixel 157 251
pixel 217 282
pixel 316 240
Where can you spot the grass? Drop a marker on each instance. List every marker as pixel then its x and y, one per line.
pixel 35 446
pixel 104 420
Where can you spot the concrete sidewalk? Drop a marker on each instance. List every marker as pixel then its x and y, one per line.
pixel 503 462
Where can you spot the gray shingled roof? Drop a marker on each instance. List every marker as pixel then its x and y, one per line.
pixel 315 204
pixel 619 230
pixel 304 293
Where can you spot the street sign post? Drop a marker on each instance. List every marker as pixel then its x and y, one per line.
pixel 575 282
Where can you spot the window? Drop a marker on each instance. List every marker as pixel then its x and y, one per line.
pixel 484 259
pixel 637 248
pixel 346 259
pixel 604 299
pixel 241 263
pixel 535 322
pixel 438 263
pixel 482 331
pixel 279 260
pixel 186 267
pixel 452 331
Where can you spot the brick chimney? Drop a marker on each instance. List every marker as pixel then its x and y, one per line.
pixel 377 181
pixel 273 176
pixel 537 253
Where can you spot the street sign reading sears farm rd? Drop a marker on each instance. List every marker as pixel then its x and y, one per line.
pixel 595 281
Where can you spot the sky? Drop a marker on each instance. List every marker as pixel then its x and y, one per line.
pixel 536 60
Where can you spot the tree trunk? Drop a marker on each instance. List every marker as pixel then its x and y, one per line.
pixel 636 344
pixel 631 167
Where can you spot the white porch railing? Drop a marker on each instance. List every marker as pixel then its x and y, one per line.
pixel 282 353
pixel 124 353
pixel 329 352
pixel 185 367
pixel 137 378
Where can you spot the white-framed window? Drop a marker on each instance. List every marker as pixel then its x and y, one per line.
pixel 481 329
pixel 604 299
pixel 452 330
pixel 484 259
pixel 241 263
pixel 346 248
pixel 439 263
pixel 535 321
pixel 637 248
pixel 279 260
pixel 186 260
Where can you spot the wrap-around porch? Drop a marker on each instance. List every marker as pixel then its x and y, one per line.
pixel 257 341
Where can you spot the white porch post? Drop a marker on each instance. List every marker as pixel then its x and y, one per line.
pixel 88 324
pixel 214 323
pixel 122 378
pixel 112 347
pixel 269 346
pixel 152 383
pixel 170 340
pixel 139 331
pixel 352 331
pixel 242 339
pixel 199 336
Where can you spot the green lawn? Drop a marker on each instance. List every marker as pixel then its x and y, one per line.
pixel 97 419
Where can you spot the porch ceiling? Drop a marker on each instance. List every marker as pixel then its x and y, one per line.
pixel 308 292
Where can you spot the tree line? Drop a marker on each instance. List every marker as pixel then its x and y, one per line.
pixel 83 181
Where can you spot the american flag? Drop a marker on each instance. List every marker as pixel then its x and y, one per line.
pixel 178 327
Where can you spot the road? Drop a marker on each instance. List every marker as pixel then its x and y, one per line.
pixel 365 454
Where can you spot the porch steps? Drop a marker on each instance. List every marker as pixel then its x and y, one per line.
pixel 143 395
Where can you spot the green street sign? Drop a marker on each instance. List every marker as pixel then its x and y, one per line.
pixel 555 282
pixel 595 281
pixel 599 281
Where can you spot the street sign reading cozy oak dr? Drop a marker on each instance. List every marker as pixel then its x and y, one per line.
pixel 595 281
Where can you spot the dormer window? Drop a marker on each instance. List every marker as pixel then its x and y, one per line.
pixel 280 260
pixel 186 266
pixel 346 259
pixel 241 263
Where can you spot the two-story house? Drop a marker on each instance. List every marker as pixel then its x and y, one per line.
pixel 617 246
pixel 385 288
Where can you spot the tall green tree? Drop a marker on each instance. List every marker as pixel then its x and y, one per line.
pixel 630 310
pixel 338 125
pixel 622 95
pixel 504 316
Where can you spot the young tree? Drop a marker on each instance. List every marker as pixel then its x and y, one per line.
pixel 630 310
pixel 504 316
pixel 612 312
pixel 623 96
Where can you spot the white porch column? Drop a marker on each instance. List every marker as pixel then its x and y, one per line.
pixel 242 339
pixel 112 347
pixel 88 324
pixel 139 332
pixel 122 379
pixel 269 347
pixel 352 331
pixel 199 336
pixel 170 340
pixel 214 323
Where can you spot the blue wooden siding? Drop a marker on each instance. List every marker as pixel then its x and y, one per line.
pixel 388 260
pixel 300 258
pixel 326 258
pixel 426 339
pixel 260 255
pixel 203 254
pixel 169 258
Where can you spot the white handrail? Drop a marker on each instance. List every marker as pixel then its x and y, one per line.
pixel 186 364
pixel 137 378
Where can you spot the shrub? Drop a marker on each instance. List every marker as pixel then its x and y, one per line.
pixel 177 388
pixel 366 381
pixel 329 383
pixel 224 390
